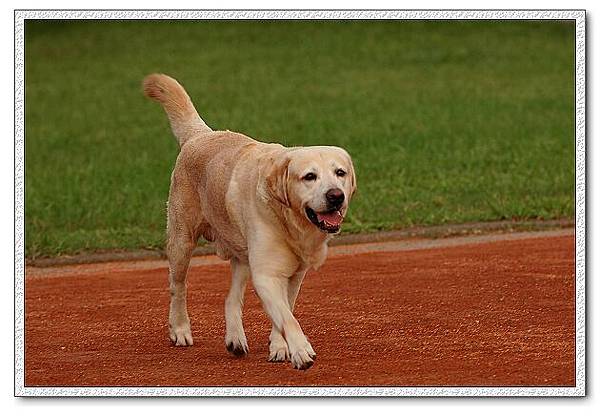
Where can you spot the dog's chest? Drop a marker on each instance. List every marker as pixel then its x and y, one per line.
pixel 312 254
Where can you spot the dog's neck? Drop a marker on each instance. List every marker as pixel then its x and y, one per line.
pixel 307 241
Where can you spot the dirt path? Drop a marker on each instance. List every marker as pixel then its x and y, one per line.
pixel 446 312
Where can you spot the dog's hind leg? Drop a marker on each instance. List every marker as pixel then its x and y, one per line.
pixel 183 225
pixel 179 251
pixel 235 338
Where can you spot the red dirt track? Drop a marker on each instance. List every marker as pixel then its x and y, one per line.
pixel 490 314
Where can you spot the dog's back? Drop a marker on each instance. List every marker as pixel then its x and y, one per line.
pixel 215 164
pixel 210 161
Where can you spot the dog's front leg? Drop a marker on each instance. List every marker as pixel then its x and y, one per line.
pixel 278 348
pixel 273 293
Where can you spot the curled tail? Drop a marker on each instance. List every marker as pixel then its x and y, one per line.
pixel 184 119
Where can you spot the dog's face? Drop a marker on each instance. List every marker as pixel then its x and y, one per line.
pixel 317 182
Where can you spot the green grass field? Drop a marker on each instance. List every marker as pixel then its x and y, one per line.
pixel 447 121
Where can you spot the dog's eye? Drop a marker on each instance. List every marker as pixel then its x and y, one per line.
pixel 309 177
pixel 340 172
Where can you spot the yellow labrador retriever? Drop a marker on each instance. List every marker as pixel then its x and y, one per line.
pixel 269 209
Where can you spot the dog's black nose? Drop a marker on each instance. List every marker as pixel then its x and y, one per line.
pixel 335 196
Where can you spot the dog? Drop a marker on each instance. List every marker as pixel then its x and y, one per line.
pixel 269 209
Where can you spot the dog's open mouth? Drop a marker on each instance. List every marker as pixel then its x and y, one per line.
pixel 329 221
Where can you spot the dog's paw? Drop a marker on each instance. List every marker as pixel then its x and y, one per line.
pixel 237 347
pixel 278 351
pixel 181 336
pixel 303 358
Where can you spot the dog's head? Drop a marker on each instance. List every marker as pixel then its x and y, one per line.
pixel 316 182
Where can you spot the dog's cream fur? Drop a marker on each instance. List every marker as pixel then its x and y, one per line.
pixel 249 198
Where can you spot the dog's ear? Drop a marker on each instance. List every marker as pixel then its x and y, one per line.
pixel 353 180
pixel 277 179
pixel 352 177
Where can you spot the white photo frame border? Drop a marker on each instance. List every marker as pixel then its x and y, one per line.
pixel 579 16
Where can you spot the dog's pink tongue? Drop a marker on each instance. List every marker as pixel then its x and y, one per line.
pixel 332 218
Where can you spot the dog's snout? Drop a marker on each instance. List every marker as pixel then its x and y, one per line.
pixel 335 196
